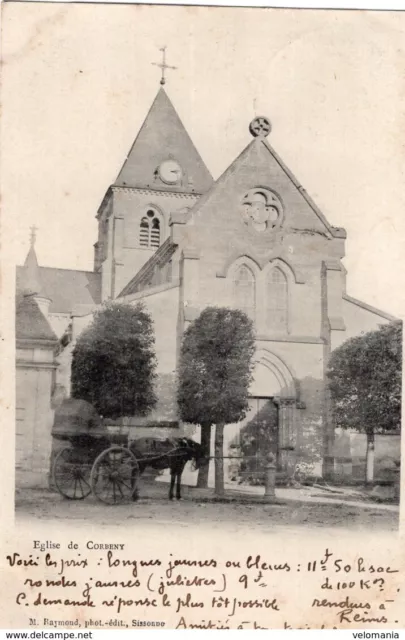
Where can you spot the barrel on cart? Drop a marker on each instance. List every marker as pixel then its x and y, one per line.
pixel 94 460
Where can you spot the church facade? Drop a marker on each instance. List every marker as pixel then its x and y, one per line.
pixel 171 237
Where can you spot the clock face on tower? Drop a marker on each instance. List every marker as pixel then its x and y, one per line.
pixel 170 172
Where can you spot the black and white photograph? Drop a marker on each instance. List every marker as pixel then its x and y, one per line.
pixel 205 213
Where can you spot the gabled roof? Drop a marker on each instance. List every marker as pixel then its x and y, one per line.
pixel 65 287
pixel 259 153
pixel 369 307
pixel 163 136
pixel 31 323
pixel 159 258
pixel 335 231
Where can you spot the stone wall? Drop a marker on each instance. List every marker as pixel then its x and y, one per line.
pixel 350 456
pixel 129 206
pixel 34 384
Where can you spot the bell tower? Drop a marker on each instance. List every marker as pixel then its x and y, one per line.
pixel 162 174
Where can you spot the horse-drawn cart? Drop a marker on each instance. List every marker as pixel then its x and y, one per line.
pixel 106 464
pixel 95 461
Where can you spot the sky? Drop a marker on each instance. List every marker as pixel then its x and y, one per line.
pixel 78 81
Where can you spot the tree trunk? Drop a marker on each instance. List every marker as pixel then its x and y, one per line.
pixel 219 459
pixel 202 480
pixel 370 458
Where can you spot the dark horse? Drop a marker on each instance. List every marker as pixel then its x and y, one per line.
pixel 172 453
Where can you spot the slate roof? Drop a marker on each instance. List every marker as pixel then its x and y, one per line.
pixel 32 279
pixel 65 288
pixel 31 323
pixel 369 307
pixel 163 136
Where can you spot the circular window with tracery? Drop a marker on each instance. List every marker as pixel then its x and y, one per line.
pixel 261 209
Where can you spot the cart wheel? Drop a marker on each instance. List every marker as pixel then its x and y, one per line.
pixel 114 476
pixel 71 474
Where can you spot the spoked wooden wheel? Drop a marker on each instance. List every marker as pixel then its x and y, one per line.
pixel 71 474
pixel 114 476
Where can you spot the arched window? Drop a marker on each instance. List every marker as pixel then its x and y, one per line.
pixel 244 291
pixel 277 301
pixel 149 230
pixel 144 232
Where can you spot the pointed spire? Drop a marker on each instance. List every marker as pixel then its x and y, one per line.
pixel 162 137
pixel 32 279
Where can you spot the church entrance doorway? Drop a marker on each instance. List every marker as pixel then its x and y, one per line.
pixel 250 441
pixel 267 427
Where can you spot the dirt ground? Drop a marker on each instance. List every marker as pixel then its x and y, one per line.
pixel 241 512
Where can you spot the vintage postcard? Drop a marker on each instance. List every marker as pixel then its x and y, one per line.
pixel 203 249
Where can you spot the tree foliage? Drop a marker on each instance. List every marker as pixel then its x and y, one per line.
pixel 114 362
pixel 215 368
pixel 258 439
pixel 365 381
pixel 215 373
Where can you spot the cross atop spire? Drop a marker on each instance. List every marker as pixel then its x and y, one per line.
pixel 33 235
pixel 163 65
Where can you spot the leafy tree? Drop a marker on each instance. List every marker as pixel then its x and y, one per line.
pixel 365 384
pixel 215 372
pixel 114 362
pixel 258 438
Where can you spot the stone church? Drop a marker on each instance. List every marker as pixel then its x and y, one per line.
pixel 172 237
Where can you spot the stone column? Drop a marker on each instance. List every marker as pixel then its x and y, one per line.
pixel 332 321
pixel 106 267
pixel 270 480
pixel 191 276
pixel 286 432
pixel 118 256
